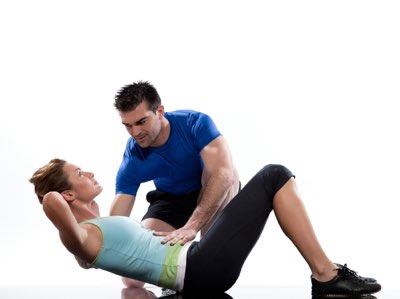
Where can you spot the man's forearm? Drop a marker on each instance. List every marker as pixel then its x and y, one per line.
pixel 219 186
pixel 122 205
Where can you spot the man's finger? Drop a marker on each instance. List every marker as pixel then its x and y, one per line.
pixel 167 239
pixel 173 241
pixel 160 233
pixel 183 241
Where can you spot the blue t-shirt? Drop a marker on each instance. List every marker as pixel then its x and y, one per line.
pixel 175 167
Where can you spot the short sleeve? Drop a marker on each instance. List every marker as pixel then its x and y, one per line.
pixel 125 180
pixel 203 129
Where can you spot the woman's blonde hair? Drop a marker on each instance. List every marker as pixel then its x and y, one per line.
pixel 50 177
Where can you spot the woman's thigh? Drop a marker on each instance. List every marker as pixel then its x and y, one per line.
pixel 216 261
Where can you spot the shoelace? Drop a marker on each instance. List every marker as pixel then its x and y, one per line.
pixel 348 272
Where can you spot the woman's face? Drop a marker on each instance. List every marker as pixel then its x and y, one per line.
pixel 84 186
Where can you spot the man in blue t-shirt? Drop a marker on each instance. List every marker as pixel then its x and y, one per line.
pixel 185 156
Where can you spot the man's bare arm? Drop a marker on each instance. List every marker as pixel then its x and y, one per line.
pixel 221 183
pixel 122 205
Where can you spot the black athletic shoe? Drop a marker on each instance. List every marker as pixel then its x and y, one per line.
pixel 366 279
pixel 167 292
pixel 345 284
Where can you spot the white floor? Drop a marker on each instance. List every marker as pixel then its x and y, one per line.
pixel 94 292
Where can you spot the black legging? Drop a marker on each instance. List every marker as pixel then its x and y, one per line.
pixel 214 263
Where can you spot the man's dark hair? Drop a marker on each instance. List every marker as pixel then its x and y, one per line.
pixel 130 96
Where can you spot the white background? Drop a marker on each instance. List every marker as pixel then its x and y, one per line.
pixel 309 84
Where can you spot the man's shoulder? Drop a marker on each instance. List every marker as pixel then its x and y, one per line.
pixel 185 116
pixel 183 113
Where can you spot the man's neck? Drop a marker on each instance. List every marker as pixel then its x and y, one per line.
pixel 164 133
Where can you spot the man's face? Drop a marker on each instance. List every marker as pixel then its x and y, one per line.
pixel 143 124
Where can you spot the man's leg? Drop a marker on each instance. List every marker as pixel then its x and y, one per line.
pixel 157 225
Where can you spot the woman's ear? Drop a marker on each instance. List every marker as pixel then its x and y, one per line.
pixel 68 195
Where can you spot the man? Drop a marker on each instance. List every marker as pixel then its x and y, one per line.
pixel 184 154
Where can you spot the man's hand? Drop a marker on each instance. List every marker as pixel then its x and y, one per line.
pixel 181 236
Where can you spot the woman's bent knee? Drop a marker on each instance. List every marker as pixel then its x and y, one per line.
pixel 275 176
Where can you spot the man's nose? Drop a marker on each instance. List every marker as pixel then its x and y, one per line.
pixel 134 131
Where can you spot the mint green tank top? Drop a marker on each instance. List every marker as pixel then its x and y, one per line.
pixel 132 251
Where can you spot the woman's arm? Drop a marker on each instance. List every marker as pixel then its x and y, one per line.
pixel 71 233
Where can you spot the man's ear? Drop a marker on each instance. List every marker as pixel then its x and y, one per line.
pixel 160 110
pixel 68 195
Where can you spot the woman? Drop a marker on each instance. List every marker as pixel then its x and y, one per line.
pixel 122 246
